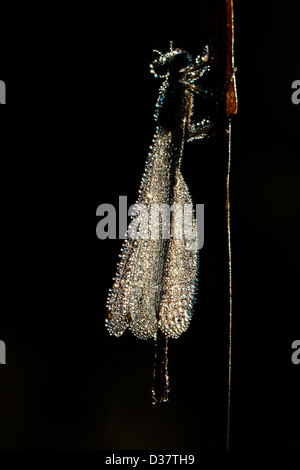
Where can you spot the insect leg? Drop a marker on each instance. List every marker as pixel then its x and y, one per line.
pixel 209 94
pixel 197 130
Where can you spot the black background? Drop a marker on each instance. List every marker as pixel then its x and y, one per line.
pixel 75 135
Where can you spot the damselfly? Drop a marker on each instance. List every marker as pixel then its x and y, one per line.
pixel 155 286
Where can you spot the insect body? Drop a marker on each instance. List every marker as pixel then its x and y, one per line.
pixel 155 286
